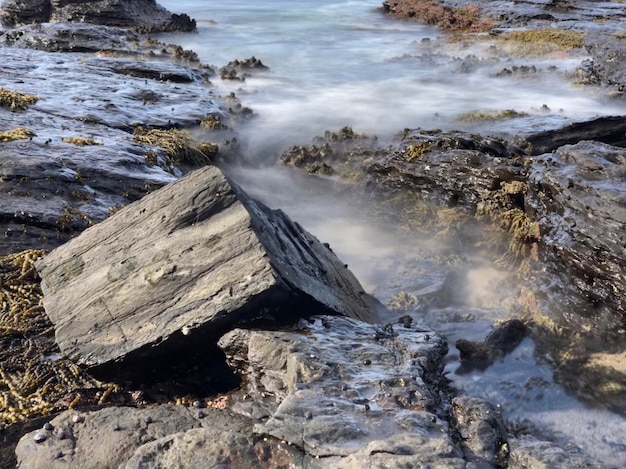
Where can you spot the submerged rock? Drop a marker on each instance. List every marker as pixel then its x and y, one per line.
pixel 163 276
pixel 498 343
pixel 146 15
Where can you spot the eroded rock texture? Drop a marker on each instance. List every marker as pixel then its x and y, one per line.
pixel 188 262
pixel 580 200
pixel 349 393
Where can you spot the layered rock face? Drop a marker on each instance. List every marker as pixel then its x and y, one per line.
pixel 144 14
pixel 183 264
pixel 579 199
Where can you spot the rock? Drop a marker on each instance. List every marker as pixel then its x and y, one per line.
pixel 215 447
pixel 145 15
pixel 577 194
pixel 241 69
pixel 499 342
pixel 608 50
pixel 182 265
pixel 482 432
pixel 526 451
pixel 109 437
pixel 349 393
pixel 25 12
pixel 611 130
pixel 81 161
pixel 449 168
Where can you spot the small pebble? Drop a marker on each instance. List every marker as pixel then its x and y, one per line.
pixel 366 408
pixel 197 404
pixel 201 414
pixel 63 435
pixel 147 419
pixel 40 437
pixel 367 361
pixel 308 415
pixel 48 426
pixel 78 418
pixel 58 454
pixel 116 427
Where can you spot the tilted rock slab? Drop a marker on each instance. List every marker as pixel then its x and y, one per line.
pixel 182 266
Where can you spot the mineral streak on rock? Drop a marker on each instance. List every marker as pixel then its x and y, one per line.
pixel 186 263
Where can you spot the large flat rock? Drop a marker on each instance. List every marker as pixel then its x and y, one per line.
pixel 182 266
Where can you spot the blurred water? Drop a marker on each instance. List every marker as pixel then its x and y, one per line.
pixel 335 63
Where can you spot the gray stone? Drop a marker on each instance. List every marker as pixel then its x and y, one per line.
pixel 51 188
pixel 611 129
pixel 526 452
pixel 202 448
pixel 359 394
pixel 107 438
pixel 184 264
pixel 578 197
pixel 146 15
pixel 482 431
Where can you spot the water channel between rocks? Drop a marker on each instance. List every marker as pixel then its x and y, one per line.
pixel 337 63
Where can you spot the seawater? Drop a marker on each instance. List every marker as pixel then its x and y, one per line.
pixel 336 63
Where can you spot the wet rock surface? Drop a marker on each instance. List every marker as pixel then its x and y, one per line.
pixel 320 393
pixel 80 160
pixel 327 391
pixel 197 257
pixel 143 14
pixel 578 195
pixel 502 340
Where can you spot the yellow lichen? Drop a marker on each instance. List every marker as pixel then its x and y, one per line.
pixel 15 100
pixel 213 122
pixel 18 134
pixel 539 42
pixel 478 116
pixel 416 150
pixel 81 141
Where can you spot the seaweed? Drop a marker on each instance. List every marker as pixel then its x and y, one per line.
pixel 80 141
pixel 32 381
pixel 14 100
pixel 539 42
pixel 17 134
pixel 179 145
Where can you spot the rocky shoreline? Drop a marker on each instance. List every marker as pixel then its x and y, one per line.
pixel 281 370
